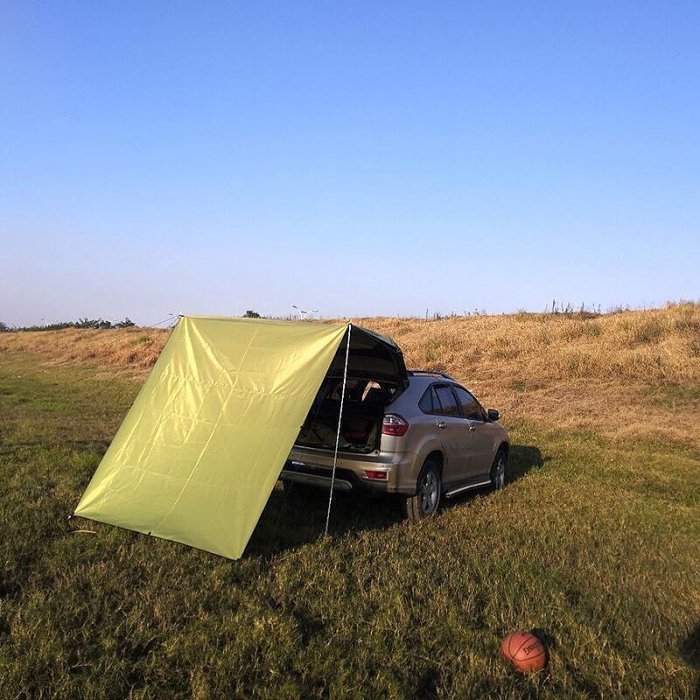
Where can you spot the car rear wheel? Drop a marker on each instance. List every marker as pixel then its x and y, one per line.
pixel 426 501
pixel 499 470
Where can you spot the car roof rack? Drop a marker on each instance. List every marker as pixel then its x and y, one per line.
pixel 430 373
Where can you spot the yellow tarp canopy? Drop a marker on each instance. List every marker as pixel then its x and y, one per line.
pixel 200 450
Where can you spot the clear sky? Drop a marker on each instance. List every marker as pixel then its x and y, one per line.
pixel 359 158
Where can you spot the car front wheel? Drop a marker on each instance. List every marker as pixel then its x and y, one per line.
pixel 499 470
pixel 426 501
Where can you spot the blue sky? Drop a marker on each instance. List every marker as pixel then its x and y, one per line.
pixel 357 158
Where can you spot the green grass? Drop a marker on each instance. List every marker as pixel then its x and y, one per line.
pixel 677 396
pixel 594 545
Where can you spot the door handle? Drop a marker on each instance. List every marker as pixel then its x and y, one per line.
pixel 441 424
pixel 472 428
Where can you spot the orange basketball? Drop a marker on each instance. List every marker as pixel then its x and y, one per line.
pixel 525 651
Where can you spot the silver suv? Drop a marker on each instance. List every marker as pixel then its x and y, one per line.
pixel 419 434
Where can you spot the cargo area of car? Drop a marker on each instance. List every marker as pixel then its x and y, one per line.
pixel 375 374
pixel 363 412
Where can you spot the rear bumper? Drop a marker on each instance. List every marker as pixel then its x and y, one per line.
pixel 315 468
pixel 342 482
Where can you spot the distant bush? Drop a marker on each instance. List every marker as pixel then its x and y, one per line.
pixel 251 314
pixel 92 323
pixel 82 323
pixel 4 328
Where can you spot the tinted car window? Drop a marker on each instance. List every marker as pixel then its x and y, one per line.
pixel 469 405
pixel 448 404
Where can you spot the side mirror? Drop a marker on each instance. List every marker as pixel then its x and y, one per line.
pixel 493 414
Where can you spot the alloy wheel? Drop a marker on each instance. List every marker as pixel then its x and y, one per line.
pixel 499 472
pixel 429 493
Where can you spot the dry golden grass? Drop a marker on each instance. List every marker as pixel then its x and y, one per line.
pixel 624 374
pixel 133 349
pixel 659 345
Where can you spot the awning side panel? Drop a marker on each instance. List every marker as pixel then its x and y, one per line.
pixel 200 450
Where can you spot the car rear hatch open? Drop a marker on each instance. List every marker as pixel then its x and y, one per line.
pixel 376 376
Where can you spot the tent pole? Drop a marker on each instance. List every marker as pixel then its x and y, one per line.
pixel 337 435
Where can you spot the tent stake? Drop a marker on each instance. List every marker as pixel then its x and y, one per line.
pixel 337 435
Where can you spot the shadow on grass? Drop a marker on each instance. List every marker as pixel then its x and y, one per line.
pixel 522 459
pixel 690 649
pixel 296 515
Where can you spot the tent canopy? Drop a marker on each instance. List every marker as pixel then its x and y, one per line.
pixel 200 450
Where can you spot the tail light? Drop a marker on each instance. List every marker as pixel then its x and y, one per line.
pixel 394 425
pixel 381 476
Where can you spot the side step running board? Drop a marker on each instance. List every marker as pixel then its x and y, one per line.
pixel 459 489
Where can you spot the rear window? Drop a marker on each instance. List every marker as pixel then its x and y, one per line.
pixel 427 402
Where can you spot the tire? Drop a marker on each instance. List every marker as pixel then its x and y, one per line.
pixel 499 470
pixel 426 501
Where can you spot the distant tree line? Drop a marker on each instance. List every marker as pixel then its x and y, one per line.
pixel 95 323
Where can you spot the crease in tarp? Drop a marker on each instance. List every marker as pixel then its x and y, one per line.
pixel 212 357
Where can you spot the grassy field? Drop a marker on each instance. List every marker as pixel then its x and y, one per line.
pixel 595 543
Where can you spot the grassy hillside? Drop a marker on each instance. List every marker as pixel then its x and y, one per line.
pixel 572 371
pixel 594 543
